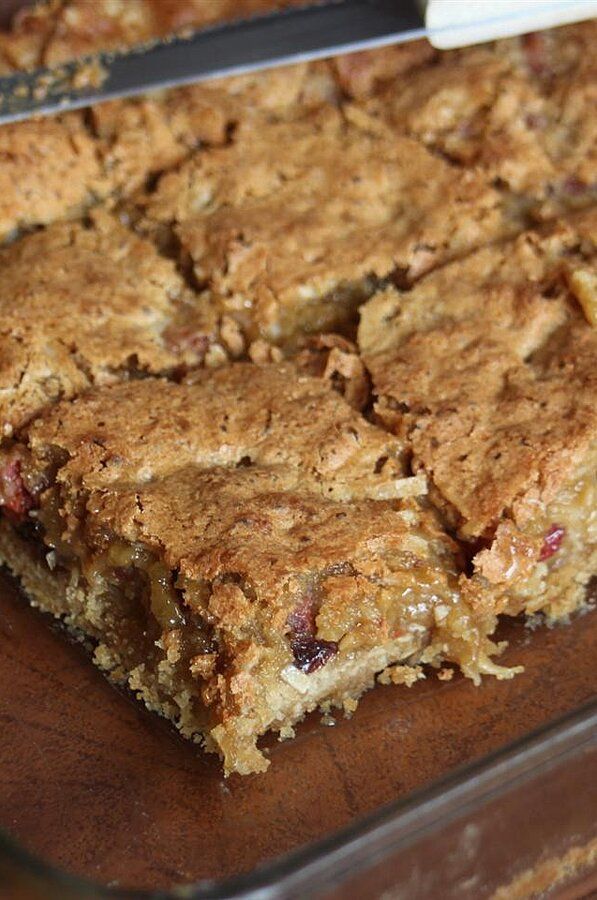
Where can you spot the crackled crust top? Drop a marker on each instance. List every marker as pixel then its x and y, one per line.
pixel 268 417
pixel 49 170
pixel 147 135
pixel 520 110
pixel 486 368
pixel 85 304
pixel 294 214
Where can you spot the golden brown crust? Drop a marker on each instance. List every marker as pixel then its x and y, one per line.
pixel 141 137
pixel 86 304
pixel 288 225
pixel 487 369
pixel 49 171
pixel 241 415
pixel 519 110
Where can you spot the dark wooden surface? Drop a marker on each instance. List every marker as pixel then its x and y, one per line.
pixel 95 784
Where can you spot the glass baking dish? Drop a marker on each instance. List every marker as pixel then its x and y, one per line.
pixel 439 790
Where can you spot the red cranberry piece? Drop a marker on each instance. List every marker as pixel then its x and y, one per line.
pixel 535 121
pixel 535 50
pixel 301 620
pixel 15 498
pixel 311 654
pixel 574 186
pixel 552 541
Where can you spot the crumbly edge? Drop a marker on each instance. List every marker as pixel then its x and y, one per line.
pixel 61 595
pixel 284 698
pixel 523 574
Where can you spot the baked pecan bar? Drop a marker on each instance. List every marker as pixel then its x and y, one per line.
pixel 244 549
pixel 291 227
pixel 487 371
pixel 85 304
pixel 519 111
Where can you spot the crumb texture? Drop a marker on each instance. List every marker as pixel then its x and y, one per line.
pixel 487 368
pixel 85 304
pixel 290 226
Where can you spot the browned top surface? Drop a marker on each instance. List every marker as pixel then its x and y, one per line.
pixel 49 170
pixel 295 210
pixel 252 471
pixel 487 369
pixel 150 134
pixel 271 416
pixel 520 110
pixel 81 304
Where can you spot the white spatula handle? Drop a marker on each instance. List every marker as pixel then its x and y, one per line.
pixel 457 23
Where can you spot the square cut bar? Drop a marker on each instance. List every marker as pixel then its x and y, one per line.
pixel 89 304
pixel 521 112
pixel 487 370
pixel 291 227
pixel 244 549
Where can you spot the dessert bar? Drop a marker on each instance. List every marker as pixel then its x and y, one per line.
pixel 486 370
pixel 290 227
pixel 244 549
pixel 84 304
